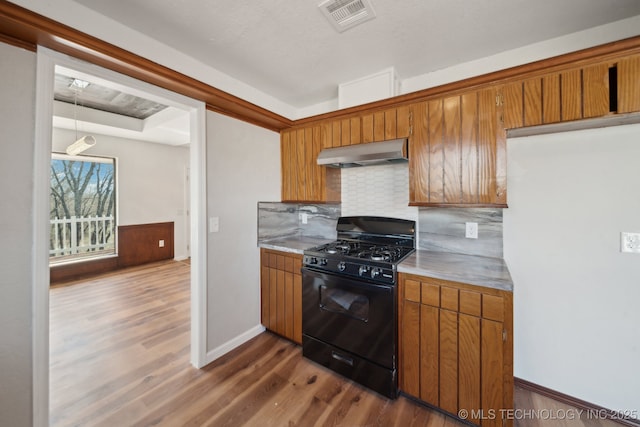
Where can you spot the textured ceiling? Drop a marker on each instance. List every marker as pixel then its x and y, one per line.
pixel 288 49
pixel 104 99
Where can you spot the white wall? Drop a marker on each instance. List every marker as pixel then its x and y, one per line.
pixel 576 296
pixel 151 181
pixel 243 167
pixel 17 120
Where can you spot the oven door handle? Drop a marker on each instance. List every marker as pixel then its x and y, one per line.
pixel 340 358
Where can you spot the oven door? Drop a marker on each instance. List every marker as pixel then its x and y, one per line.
pixel 351 314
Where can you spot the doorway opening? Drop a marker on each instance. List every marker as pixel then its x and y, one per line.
pixel 49 64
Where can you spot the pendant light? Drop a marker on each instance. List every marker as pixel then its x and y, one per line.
pixel 86 141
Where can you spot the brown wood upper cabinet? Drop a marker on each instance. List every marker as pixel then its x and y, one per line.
pixel 457 153
pixel 574 94
pixel 302 179
pixel 281 293
pixel 456 347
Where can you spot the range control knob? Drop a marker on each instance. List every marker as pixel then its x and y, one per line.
pixel 342 266
pixel 375 272
pixel 362 270
pixel 323 261
pixel 313 260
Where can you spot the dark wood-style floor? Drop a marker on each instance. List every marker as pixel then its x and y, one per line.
pixel 120 357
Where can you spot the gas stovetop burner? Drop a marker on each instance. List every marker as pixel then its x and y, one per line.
pixel 367 247
pixel 383 253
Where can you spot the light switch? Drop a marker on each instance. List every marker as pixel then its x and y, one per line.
pixel 214 224
pixel 161 243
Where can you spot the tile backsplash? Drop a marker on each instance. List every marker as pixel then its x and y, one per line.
pixel 381 190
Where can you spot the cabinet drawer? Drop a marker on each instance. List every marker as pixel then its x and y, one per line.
pixel 470 303
pixel 431 294
pixel 288 264
pixel 412 290
pixel 449 298
pixel 493 307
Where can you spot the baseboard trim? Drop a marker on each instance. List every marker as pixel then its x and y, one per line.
pixel 578 403
pixel 233 343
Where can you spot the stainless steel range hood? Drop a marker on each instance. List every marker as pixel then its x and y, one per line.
pixel 371 153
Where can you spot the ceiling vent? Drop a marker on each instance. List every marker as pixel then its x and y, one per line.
pixel 345 14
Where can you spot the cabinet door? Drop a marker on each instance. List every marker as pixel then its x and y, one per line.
pixel 367 128
pixel 419 154
pixel 488 132
pixel 300 163
pixel 297 308
pixel 264 288
pixel 288 168
pixel 469 375
pixel 281 293
pixel 629 84
pixel 429 355
pixel 457 151
pixel 595 82
pixel 492 370
pixel 452 150
pixel 411 348
pixel 303 180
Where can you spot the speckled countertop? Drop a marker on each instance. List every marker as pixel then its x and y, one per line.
pixel 471 269
pixel 295 244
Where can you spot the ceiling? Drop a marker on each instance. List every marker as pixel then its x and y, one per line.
pixel 106 108
pixel 101 97
pixel 287 49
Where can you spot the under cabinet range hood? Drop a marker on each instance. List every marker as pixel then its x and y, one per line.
pixel 371 153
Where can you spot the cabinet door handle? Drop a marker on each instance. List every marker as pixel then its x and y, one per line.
pixel 341 358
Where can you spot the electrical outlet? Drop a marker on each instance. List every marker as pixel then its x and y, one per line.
pixel 471 230
pixel 630 242
pixel 304 217
pixel 161 243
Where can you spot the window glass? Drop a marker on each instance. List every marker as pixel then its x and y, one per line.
pixel 82 207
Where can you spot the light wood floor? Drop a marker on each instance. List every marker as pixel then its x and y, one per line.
pixel 120 357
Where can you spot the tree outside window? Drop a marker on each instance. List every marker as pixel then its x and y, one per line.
pixel 82 213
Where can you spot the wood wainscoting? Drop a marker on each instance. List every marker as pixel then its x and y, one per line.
pixel 137 244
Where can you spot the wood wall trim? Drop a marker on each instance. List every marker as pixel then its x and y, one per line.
pixel 77 270
pixel 26 29
pixel 137 245
pixel 575 402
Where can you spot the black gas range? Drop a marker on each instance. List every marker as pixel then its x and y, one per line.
pixel 349 299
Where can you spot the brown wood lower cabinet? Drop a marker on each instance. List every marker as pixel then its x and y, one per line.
pixel 456 348
pixel 281 293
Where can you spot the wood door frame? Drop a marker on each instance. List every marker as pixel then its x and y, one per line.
pixel 47 60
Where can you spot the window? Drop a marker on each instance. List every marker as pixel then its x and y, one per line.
pixel 83 202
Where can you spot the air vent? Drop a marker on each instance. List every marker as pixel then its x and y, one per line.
pixel 345 14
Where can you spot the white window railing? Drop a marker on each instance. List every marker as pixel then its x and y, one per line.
pixel 81 236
